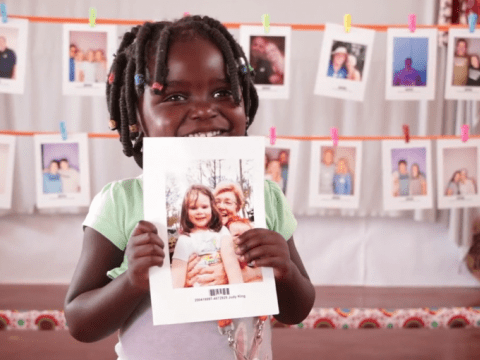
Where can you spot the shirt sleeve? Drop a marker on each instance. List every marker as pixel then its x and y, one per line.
pixel 183 249
pixel 278 215
pixel 107 214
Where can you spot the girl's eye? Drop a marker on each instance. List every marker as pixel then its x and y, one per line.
pixel 176 97
pixel 223 93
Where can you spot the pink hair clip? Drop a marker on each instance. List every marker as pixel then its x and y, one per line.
pixel 157 86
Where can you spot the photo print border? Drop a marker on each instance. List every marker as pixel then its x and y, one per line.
pixel 426 92
pixel 6 195
pixel 342 88
pixel 459 201
pixel 270 91
pixel 56 200
pixel 333 201
pixel 391 202
pixel 86 89
pixel 182 305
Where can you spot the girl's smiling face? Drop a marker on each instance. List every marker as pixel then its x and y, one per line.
pixel 196 98
pixel 199 211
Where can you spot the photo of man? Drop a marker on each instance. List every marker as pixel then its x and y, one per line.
pixel 408 76
pixel 410 60
pixel 8 60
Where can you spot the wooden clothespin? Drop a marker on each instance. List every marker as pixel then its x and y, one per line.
pixel 334 135
pixel 412 22
pixel 273 135
pixel 406 132
pixel 465 129
pixel 63 130
pixel 3 9
pixel 347 22
pixel 472 21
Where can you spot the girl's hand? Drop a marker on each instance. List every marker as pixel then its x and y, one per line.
pixel 265 248
pixel 144 250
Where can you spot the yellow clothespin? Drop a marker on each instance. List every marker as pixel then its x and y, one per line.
pixel 347 22
pixel 93 16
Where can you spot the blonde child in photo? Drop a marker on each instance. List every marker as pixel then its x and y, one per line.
pixel 204 235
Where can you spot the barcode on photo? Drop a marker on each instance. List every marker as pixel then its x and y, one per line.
pixel 224 291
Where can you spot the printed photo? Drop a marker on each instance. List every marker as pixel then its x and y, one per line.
pixel 269 56
pixel 410 74
pixel 202 202
pixel 344 56
pixel 463 66
pixel 281 161
pixel 458 173
pixel 13 49
pixel 87 58
pixel 62 171
pixel 335 175
pixel 407 175
pixel 7 153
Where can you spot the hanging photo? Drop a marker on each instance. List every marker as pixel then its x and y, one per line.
pixel 344 62
pixel 281 161
pixel 458 173
pixel 335 173
pixel 7 156
pixel 411 61
pixel 463 65
pixel 62 171
pixel 87 57
pixel 407 175
pixel 200 201
pixel 13 55
pixel 269 56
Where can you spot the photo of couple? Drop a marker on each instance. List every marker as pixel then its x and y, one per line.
pixel 408 172
pixel 267 57
pixel 87 61
pixel 336 172
pixel 466 62
pixel 460 170
pixel 276 166
pixel 61 172
pixel 346 61
pixel 461 184
pixel 204 223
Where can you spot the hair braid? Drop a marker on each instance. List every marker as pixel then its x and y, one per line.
pixel 161 70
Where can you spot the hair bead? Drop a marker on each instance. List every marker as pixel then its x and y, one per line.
pixel 133 128
pixel 157 86
pixel 112 124
pixel 111 78
pixel 139 80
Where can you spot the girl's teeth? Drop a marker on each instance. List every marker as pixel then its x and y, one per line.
pixel 209 134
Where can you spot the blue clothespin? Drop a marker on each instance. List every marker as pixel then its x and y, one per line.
pixel 3 8
pixel 63 130
pixel 472 21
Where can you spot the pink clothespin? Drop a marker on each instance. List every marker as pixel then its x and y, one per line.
pixel 186 13
pixel 406 132
pixel 273 135
pixel 412 22
pixel 465 129
pixel 334 135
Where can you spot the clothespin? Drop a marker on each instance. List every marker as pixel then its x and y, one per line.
pixel 93 16
pixel 472 21
pixel 406 132
pixel 334 135
pixel 347 22
pixel 273 135
pixel 465 129
pixel 266 22
pixel 412 22
pixel 3 9
pixel 63 130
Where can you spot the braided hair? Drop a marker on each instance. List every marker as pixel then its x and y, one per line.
pixel 129 72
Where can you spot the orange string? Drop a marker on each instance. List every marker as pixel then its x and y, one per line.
pixel 303 138
pixel 232 25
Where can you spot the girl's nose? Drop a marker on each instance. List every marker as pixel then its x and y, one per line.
pixel 203 110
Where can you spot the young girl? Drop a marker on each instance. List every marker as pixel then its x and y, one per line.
pixel 205 236
pixel 175 79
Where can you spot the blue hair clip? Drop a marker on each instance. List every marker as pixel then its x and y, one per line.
pixel 139 80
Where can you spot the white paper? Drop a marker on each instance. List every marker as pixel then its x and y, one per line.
pixel 359 43
pixel 274 51
pixel 276 152
pixel 454 156
pixel 89 76
pixel 421 47
pixel 407 196
pixel 7 156
pixel 15 31
pixel 462 92
pixel 174 164
pixel 334 170
pixel 65 187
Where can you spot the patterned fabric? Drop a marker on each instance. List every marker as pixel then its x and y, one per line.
pixel 319 318
pixel 454 12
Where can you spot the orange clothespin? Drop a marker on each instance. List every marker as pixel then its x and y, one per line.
pixel 412 22
pixel 406 132
pixel 347 22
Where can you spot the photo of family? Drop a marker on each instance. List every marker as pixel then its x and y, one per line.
pixel 458 166
pixel 62 170
pixel 408 178
pixel 202 203
pixel 13 48
pixel 269 56
pixel 7 150
pixel 347 61
pixel 344 56
pixel 334 174
pixel 87 57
